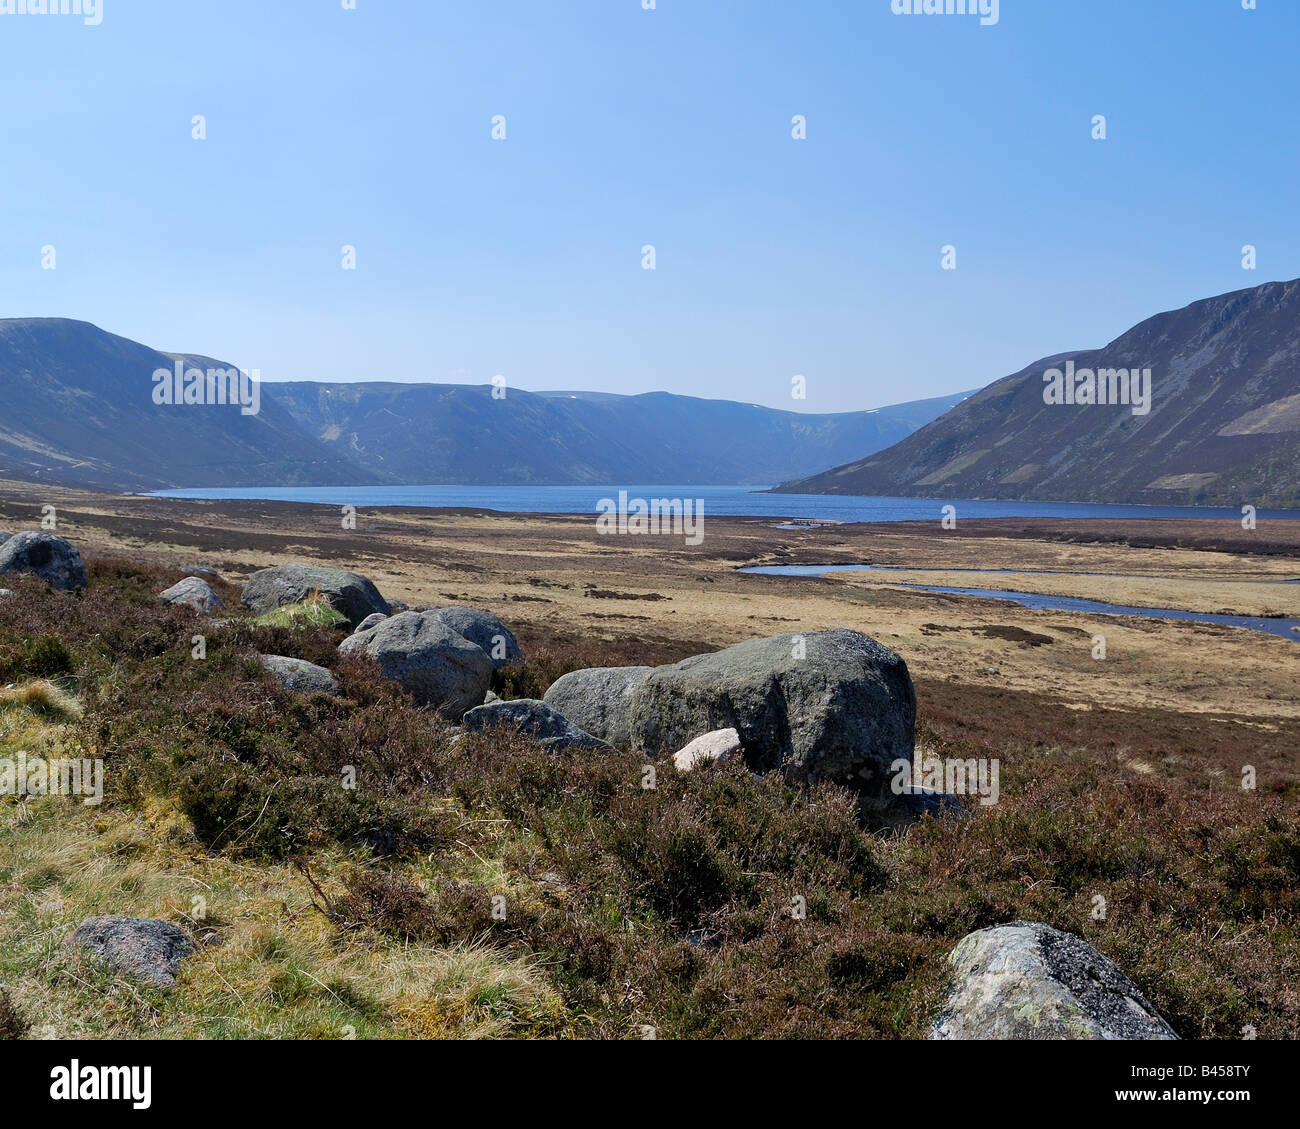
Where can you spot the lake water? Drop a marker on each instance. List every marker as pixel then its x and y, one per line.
pixel 744 501
pixel 1040 602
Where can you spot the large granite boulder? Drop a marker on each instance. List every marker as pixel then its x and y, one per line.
pixel 299 676
pixel 351 595
pixel 534 720
pixel 53 559
pixel 483 628
pixel 142 948
pixel 599 700
pixel 829 705
pixel 194 592
pixel 437 666
pixel 1030 981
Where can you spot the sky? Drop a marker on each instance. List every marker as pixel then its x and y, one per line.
pixel 626 127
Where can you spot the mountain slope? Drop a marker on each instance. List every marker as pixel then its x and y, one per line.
pixel 458 434
pixel 76 407
pixel 1223 426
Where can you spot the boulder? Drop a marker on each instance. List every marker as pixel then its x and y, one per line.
pixel 829 705
pixel 53 559
pixel 599 700
pixel 488 632
pixel 1030 981
pixel 194 593
pixel 142 948
pixel 299 676
pixel 535 720
pixel 349 594
pixel 437 666
pixel 708 748
pixel 370 621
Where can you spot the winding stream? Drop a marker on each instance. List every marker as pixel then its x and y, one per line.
pixel 1285 628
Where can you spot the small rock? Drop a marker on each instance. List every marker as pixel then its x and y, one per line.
pixel 201 570
pixel 707 749
pixel 598 700
pixel 195 593
pixel 437 666
pixel 1027 980
pixel 143 948
pixel 370 621
pixel 534 720
pixel 351 595
pixel 399 606
pixel 53 559
pixel 300 677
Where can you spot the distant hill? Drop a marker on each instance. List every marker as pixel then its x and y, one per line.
pixel 77 408
pixel 460 435
pixel 1223 426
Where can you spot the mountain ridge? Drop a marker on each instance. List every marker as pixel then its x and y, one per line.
pixel 1223 429
pixel 77 407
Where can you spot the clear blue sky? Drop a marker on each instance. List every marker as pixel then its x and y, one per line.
pixel 625 127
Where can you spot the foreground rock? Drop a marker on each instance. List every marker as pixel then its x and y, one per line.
pixel 348 593
pixel 370 621
pixel 143 948
pixel 437 666
pixel 53 559
pixel 535 720
pixel 599 700
pixel 194 593
pixel 829 705
pixel 299 676
pixel 484 629
pixel 1030 981
pixel 709 748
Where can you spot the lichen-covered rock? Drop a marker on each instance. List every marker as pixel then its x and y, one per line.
pixel 53 559
pixel 1030 981
pixel 299 676
pixel 487 631
pixel 535 720
pixel 194 592
pixel 348 593
pixel 142 948
pixel 437 666
pixel 829 705
pixel 598 700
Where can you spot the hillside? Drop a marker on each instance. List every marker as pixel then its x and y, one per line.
pixel 459 434
pixel 1223 426
pixel 76 407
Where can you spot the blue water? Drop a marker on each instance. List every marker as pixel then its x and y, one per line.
pixel 1040 602
pixel 742 501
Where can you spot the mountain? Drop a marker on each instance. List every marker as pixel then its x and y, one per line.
pixel 1223 426
pixel 77 407
pixel 460 435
